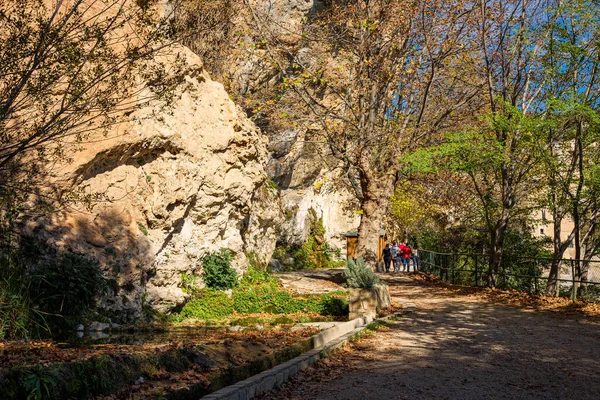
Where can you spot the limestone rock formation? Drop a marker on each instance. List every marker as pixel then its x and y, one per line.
pixel 250 69
pixel 310 182
pixel 169 187
pixel 311 186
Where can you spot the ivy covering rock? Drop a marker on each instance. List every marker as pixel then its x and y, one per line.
pixel 314 253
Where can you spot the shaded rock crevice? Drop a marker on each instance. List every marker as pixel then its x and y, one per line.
pixel 134 154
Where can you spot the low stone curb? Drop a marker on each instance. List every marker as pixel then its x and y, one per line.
pixel 330 339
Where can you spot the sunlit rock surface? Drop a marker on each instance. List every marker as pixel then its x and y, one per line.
pixel 170 186
pixel 312 186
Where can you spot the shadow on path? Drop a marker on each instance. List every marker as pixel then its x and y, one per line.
pixel 458 347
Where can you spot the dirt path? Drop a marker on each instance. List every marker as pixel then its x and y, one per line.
pixel 459 347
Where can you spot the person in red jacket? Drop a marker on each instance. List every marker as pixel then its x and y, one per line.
pixel 401 247
pixel 406 254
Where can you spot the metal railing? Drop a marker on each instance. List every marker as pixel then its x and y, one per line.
pixel 528 274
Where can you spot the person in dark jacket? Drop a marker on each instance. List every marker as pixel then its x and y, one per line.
pixel 387 257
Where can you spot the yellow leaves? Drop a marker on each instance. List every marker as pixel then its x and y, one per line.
pixel 318 186
pixel 407 206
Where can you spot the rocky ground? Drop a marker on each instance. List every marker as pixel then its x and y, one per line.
pixel 457 345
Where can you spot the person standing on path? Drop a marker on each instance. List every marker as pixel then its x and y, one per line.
pixel 415 257
pixel 387 257
pixel 395 257
pixel 401 255
pixel 406 254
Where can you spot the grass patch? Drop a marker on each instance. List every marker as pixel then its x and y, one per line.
pixel 260 293
pixel 375 325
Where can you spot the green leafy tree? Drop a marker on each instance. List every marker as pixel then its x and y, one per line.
pixel 570 64
pixel 503 170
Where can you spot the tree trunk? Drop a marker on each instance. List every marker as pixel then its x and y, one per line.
pixel 496 249
pixel 498 232
pixel 367 245
pixel 552 286
pixel 577 270
pixel 559 250
pixel 576 214
pixel 376 196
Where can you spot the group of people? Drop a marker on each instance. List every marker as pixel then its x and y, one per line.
pixel 398 255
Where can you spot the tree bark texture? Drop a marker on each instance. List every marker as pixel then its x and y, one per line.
pixel 375 202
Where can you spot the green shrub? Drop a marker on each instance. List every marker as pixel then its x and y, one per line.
pixel 358 275
pixel 17 314
pixel 212 304
pixel 42 288
pixel 336 306
pixel 218 273
pixel 68 287
pixel 39 382
pixel 314 253
pixel 271 184
pixel 329 304
pixel 255 262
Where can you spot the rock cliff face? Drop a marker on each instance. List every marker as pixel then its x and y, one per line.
pixel 307 178
pixel 250 69
pixel 169 187
pixel 157 194
pixel 311 186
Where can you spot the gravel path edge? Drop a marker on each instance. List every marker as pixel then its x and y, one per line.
pixel 326 341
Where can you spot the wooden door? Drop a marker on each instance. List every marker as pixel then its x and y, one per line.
pixel 380 248
pixel 350 246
